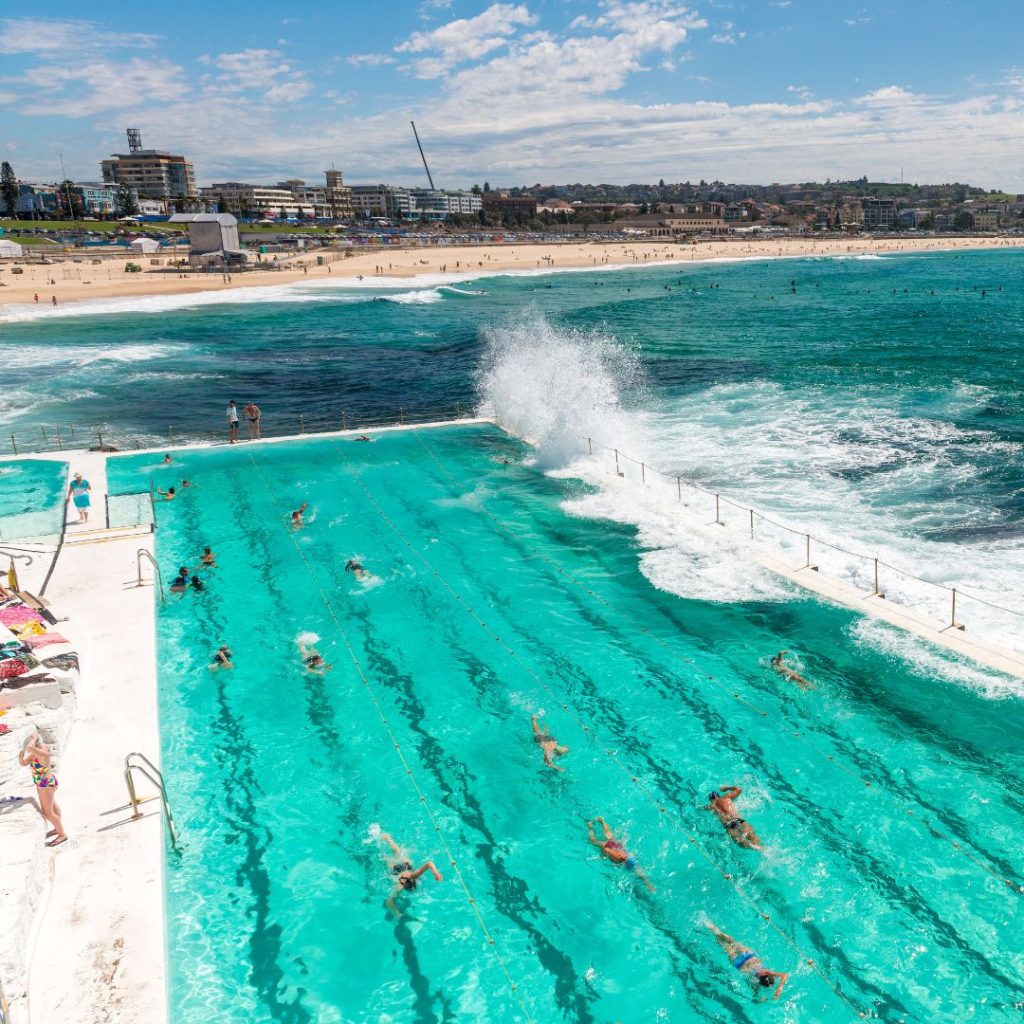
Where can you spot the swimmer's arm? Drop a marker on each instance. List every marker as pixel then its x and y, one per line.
pixel 428 866
pixel 783 978
pixel 536 727
pixel 731 792
pixel 593 838
pixel 390 903
pixel 386 836
pixel 643 878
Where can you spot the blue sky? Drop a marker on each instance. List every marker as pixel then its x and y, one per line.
pixel 521 92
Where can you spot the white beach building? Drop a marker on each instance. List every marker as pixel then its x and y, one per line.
pixel 9 249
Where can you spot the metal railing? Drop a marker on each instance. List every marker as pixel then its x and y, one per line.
pixel 150 771
pixel 158 579
pixel 808 545
pixel 106 438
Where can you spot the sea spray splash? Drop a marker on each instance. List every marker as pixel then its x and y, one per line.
pixel 554 387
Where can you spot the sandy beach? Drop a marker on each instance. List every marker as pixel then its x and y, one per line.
pixel 71 279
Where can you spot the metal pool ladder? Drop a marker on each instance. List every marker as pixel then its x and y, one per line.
pixel 151 772
pixel 156 569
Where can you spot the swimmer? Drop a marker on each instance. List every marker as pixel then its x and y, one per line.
pixel 187 483
pixel 362 437
pixel 739 830
pixel 198 585
pixel 167 459
pixel 787 673
pixel 355 568
pixel 312 660
pixel 297 522
pixel 180 584
pixel 222 659
pixel 209 559
pixel 614 850
pixel 168 495
pixel 749 964
pixel 548 744
pixel 407 878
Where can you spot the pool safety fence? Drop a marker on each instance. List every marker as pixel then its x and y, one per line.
pixel 105 438
pixel 810 550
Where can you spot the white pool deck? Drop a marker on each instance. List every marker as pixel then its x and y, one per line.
pixel 97 944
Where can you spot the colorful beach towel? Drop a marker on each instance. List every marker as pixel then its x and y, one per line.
pixel 19 614
pixel 35 642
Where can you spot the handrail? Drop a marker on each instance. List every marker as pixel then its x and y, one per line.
pixel 102 435
pixel 151 772
pixel 138 567
pixel 677 479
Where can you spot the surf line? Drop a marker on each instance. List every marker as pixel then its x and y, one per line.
pixel 652 797
pixel 397 748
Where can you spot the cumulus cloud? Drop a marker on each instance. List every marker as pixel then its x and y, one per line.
pixel 264 70
pixel 369 60
pixel 465 38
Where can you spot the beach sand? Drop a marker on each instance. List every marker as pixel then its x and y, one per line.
pixel 74 279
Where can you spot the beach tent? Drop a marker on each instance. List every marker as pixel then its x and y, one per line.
pixel 145 245
pixel 9 249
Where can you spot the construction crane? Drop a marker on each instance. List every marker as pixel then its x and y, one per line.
pixel 422 155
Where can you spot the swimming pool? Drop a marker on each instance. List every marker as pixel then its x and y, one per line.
pixel 32 499
pixel 889 801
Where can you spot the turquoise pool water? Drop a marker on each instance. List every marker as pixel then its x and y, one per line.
pixel 890 801
pixel 32 499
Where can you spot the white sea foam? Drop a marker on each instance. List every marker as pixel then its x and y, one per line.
pixel 849 467
pixel 419 296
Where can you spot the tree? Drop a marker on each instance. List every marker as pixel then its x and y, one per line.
pixel 222 206
pixel 126 203
pixel 661 183
pixel 487 186
pixel 70 199
pixel 9 188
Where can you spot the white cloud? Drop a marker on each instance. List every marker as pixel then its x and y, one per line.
pixel 50 36
pixel 264 70
pixel 465 38
pixel 891 95
pixel 369 60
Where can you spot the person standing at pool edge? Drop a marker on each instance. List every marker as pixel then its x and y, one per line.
pixel 252 414
pixel 78 492
pixel 232 414
pixel 35 755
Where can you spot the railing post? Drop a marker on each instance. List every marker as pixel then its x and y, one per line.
pixel 458 410
pixel 679 488
pixel 302 424
pixel 643 473
pixel 170 434
pixel 877 592
pixel 14 444
pixel 751 524
pixel 99 434
pixel 617 462
pixel 60 446
pixel 401 415
pixel 590 446
pixel 718 518
pixel 344 420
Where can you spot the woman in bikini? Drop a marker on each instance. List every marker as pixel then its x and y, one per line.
pixel 749 964
pixel 297 522
pixel 313 660
pixel 615 851
pixel 739 830
pixel 35 755
pixel 407 878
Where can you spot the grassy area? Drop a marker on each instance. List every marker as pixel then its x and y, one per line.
pixel 29 240
pixel 104 226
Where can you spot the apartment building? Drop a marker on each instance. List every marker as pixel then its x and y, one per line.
pixel 269 202
pixel 879 213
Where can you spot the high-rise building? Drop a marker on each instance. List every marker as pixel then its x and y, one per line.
pixel 151 173
pixel 879 213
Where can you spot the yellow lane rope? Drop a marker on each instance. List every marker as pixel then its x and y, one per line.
pixel 400 754
pixel 934 830
pixel 749 900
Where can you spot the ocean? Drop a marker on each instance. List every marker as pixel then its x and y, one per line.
pixel 873 401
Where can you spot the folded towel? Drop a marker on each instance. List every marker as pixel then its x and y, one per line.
pixel 17 614
pixel 45 640
pixel 11 667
